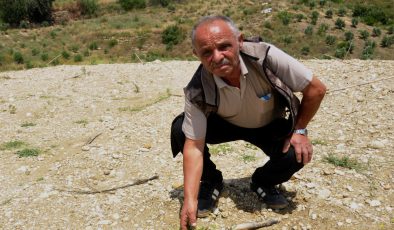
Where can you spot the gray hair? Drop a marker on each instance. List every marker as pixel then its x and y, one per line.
pixel 212 18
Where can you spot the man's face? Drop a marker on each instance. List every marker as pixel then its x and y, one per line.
pixel 218 48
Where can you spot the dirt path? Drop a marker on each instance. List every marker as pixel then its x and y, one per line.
pixel 129 107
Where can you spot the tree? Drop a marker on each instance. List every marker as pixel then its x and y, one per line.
pixel 15 11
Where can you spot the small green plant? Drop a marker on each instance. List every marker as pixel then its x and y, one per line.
pixel 314 17
pixel 285 17
pixel 18 58
pixel 220 149
pixel 248 158
pixel 364 34
pixel 112 43
pixel 132 4
pixel 35 52
pixel 341 12
pixel 12 109
pixel 28 152
pixel 53 34
pixel 172 35
pixel 322 29
pixel 251 146
pixel 88 7
pixel 390 30
pixel 309 30
pixel 65 54
pixel 344 162
pixel 349 36
pixel 319 142
pixel 339 24
pixel 268 25
pixel 12 145
pixel 93 46
pixel 376 32
pixel 27 124
pixel 330 39
pixel 44 56
pixel 287 39
pixel 78 58
pixel 368 50
pixel 83 122
pixel 299 17
pixel 305 50
pixel 387 41
pixel 354 22
pixel 74 48
pixel 329 13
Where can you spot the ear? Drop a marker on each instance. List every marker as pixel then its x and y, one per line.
pixel 240 40
pixel 195 52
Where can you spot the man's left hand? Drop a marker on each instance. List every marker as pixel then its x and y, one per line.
pixel 302 146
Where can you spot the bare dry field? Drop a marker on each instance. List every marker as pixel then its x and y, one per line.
pixel 96 130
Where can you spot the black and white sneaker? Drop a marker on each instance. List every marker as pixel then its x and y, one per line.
pixel 208 197
pixel 270 195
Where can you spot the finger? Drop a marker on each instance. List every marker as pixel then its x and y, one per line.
pixel 193 219
pixel 305 155
pixel 298 151
pixel 183 221
pixel 310 151
pixel 286 146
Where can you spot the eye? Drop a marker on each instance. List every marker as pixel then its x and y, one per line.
pixel 224 47
pixel 206 53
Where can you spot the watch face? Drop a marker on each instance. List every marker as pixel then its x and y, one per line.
pixel 301 131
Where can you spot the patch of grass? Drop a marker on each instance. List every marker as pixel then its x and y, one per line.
pixel 12 145
pixel 319 142
pixel 83 122
pixel 138 108
pixel 220 149
pixel 27 124
pixel 344 162
pixel 27 152
pixel 251 146
pixel 40 179
pixel 248 158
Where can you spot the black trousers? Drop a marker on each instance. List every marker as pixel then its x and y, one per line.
pixel 270 138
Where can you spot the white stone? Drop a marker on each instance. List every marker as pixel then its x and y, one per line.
pixel 324 194
pixel 374 203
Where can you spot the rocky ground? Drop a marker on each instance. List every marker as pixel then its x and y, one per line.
pixel 107 126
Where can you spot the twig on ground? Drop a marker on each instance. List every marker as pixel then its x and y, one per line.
pixel 90 141
pixel 361 84
pixel 53 59
pixel 137 182
pixel 256 225
pixel 139 58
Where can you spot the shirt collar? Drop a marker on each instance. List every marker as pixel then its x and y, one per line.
pixel 244 71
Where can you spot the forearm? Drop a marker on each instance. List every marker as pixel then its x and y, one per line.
pixel 313 95
pixel 192 169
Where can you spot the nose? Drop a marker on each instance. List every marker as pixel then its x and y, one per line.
pixel 217 56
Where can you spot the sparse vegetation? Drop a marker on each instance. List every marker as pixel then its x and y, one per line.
pixel 220 149
pixel 12 145
pixel 28 124
pixel 344 161
pixel 28 152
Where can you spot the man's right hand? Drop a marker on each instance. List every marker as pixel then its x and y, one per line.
pixel 189 214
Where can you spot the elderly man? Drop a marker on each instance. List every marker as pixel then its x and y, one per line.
pixel 242 90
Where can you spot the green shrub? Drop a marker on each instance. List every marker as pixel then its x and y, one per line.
pixel 309 30
pixel 390 30
pixel 330 39
pixel 44 57
pixel 34 52
pixel 322 29
pixel 78 58
pixel 24 24
pixel 14 11
pixel 329 13
pixel 354 22
pixel 65 55
pixel 299 17
pixel 387 41
pixel 28 64
pixel 347 45
pixel 4 26
pixel 364 34
pixel 28 152
pixel 112 43
pixel 339 24
pixel 305 50
pixel 376 32
pixel 88 7
pixel 132 4
pixel 285 17
pixel 93 46
pixel 314 17
pixel 18 57
pixel 341 12
pixel 340 53
pixel 349 36
pixel 322 2
pixel 287 39
pixel 371 14
pixel 172 35
pixel 163 3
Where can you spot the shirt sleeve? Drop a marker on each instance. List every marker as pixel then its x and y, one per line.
pixel 292 72
pixel 195 122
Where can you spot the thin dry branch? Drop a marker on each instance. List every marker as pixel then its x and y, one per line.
pixel 92 139
pixel 137 182
pixel 361 84
pixel 256 225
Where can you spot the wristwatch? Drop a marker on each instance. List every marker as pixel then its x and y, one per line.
pixel 301 131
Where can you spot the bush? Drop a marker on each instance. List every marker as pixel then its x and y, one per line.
pixel 93 46
pixel 339 23
pixel 78 58
pixel 112 43
pixel 34 52
pixel 368 50
pixel 371 14
pixel 341 12
pixel 376 32
pixel 299 17
pixel 65 54
pixel 132 4
pixel 315 16
pixel 287 39
pixel 309 30
pixel 18 57
pixel 340 53
pixel 387 41
pixel 364 34
pixel 349 36
pixel 354 22
pixel 285 17
pixel 88 7
pixel 322 29
pixel 390 30
pixel 44 57
pixel 163 3
pixel 172 35
pixel 4 26
pixel 347 45
pixel 330 39
pixel 329 13
pixel 15 11
pixel 322 2
pixel 305 50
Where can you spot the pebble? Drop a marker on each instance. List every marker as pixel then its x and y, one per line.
pixel 376 144
pixel 324 194
pixel 85 148
pixel 374 203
